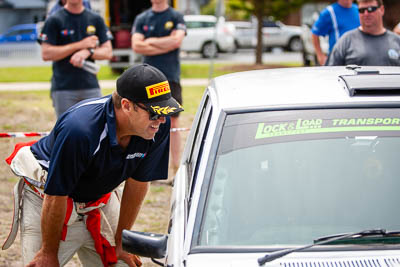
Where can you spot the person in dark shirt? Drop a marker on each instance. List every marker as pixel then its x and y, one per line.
pixel 61 3
pixel 71 177
pixel 69 37
pixel 157 33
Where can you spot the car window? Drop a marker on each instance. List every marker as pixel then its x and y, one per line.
pixel 269 23
pixel 287 177
pixel 19 32
pixel 198 141
pixel 199 24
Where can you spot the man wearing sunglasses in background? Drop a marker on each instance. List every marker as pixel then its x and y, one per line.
pixel 369 45
pixel 70 177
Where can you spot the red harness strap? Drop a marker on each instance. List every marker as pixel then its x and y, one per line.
pixel 93 224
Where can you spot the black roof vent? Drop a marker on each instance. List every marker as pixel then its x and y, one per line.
pixel 369 82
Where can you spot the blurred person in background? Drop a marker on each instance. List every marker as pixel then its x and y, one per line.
pixel 334 21
pixel 61 3
pixel 370 44
pixel 157 33
pixel 71 36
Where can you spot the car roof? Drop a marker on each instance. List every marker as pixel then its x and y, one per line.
pixel 291 86
pixel 23 26
pixel 241 23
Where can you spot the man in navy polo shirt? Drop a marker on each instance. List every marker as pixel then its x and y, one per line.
pixel 94 147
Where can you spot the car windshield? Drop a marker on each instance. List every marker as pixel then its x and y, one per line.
pixel 286 177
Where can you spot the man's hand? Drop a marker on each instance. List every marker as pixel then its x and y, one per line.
pixel 43 259
pixel 89 42
pixel 78 58
pixel 130 259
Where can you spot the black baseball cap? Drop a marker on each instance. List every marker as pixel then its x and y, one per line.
pixel 146 84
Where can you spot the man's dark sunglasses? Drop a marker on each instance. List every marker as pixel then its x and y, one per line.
pixel 369 9
pixel 153 116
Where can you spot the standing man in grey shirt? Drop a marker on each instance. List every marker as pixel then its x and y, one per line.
pixel 369 45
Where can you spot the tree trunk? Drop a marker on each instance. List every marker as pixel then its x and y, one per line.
pixel 259 6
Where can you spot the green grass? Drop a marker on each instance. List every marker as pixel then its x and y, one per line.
pixel 43 73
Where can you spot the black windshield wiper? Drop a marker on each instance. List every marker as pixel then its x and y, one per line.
pixel 324 240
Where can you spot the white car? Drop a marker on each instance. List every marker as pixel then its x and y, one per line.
pixel 208 36
pixel 274 34
pixel 277 34
pixel 245 34
pixel 295 167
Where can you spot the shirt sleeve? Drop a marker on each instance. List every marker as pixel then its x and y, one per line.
pixel 323 25
pixel 338 55
pixel 155 165
pixel 180 22
pixel 49 31
pixel 103 33
pixel 69 156
pixel 137 26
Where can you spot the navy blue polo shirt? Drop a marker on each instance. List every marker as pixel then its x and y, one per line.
pixel 84 160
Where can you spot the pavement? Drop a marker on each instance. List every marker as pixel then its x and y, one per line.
pixel 104 84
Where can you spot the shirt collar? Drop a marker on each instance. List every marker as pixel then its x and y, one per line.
pixel 111 123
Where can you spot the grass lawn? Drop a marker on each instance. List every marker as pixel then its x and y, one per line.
pixel 43 73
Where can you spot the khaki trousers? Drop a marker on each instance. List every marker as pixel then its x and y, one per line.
pixel 78 239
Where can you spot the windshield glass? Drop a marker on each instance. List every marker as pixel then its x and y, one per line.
pixel 287 177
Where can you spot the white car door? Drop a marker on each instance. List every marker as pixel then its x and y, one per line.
pixel 198 32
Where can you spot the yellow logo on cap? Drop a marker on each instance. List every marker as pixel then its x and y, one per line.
pixel 163 110
pixel 168 25
pixel 158 89
pixel 91 29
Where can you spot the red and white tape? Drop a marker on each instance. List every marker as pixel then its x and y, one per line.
pixel 33 134
pixel 19 134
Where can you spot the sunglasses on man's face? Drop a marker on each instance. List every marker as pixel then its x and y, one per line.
pixel 152 116
pixel 369 9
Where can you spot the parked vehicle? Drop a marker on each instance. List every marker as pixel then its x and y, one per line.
pixel 277 34
pixel 274 34
pixel 288 167
pixel 245 34
pixel 208 36
pixel 310 13
pixel 20 33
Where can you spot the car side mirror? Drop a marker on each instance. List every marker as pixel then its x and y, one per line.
pixel 144 244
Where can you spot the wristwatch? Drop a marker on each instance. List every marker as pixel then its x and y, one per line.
pixel 91 50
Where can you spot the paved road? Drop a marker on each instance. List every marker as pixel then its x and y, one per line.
pixel 244 56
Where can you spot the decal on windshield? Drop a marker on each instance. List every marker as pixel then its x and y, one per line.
pixel 312 126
